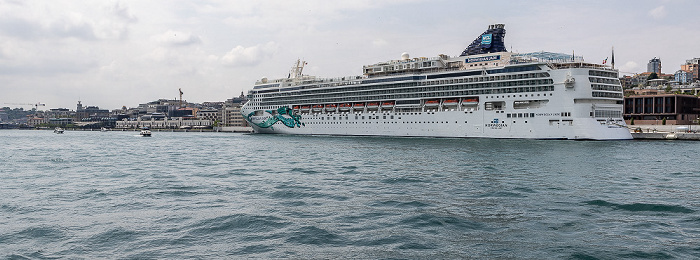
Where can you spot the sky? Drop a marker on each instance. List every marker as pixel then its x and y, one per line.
pixel 123 53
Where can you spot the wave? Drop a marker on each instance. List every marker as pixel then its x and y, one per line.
pixel 238 222
pixel 641 207
pixel 311 235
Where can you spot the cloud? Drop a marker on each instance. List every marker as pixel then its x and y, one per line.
pixel 50 20
pixel 658 13
pixel 629 67
pixel 120 10
pixel 177 38
pixel 379 43
pixel 249 56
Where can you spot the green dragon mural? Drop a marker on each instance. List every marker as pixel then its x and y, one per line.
pixel 291 121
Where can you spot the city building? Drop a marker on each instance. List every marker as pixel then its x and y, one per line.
pixel 692 66
pixel 231 113
pixel 683 77
pixel 654 65
pixel 3 116
pixel 653 109
pixel 209 114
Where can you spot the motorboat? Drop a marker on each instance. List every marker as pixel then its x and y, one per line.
pixel 145 132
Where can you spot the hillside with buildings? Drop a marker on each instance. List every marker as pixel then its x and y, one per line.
pixel 655 98
pixel 158 114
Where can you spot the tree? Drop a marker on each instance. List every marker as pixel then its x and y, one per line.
pixel 653 75
pixel 663 122
pixel 632 121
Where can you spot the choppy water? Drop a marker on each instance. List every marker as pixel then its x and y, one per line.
pixel 93 195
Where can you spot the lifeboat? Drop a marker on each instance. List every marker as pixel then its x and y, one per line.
pixel 344 107
pixel 317 108
pixel 451 102
pixel 388 104
pixel 373 105
pixel 470 101
pixel 330 107
pixel 432 103
pixel 305 108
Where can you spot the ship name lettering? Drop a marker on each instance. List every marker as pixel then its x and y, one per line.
pixel 496 126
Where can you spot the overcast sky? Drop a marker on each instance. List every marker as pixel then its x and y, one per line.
pixel 121 53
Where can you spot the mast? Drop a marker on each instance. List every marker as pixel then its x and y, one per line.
pixel 297 69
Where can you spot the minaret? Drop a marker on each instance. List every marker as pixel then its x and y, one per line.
pixel 612 62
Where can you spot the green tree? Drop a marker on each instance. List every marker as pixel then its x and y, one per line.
pixel 632 121
pixel 653 75
pixel 663 122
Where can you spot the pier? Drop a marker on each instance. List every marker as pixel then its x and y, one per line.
pixel 665 132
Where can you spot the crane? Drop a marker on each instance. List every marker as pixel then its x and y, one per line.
pixel 36 105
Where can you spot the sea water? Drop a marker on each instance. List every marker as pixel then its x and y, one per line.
pixel 117 195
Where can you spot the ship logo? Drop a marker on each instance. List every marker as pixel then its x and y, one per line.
pixel 486 39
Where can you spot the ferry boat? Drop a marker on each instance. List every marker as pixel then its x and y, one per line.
pixel 485 92
pixel 145 132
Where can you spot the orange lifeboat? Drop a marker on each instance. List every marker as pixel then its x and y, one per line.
pixel 388 104
pixel 451 102
pixel 305 108
pixel 432 103
pixel 470 101
pixel 317 108
pixel 344 107
pixel 373 105
pixel 330 107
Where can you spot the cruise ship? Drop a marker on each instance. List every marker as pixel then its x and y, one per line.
pixel 486 92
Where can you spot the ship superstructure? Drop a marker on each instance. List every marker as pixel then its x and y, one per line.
pixel 485 92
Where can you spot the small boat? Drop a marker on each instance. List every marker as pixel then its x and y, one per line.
pixel 330 107
pixel 305 108
pixel 451 102
pixel 432 103
pixel 317 108
pixel 388 104
pixel 373 105
pixel 358 106
pixel 145 132
pixel 103 129
pixel 344 107
pixel 470 101
pixel 58 130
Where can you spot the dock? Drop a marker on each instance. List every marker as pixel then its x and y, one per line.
pixel 665 132
pixel 666 136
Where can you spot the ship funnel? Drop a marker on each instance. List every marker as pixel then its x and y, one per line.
pixel 492 40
